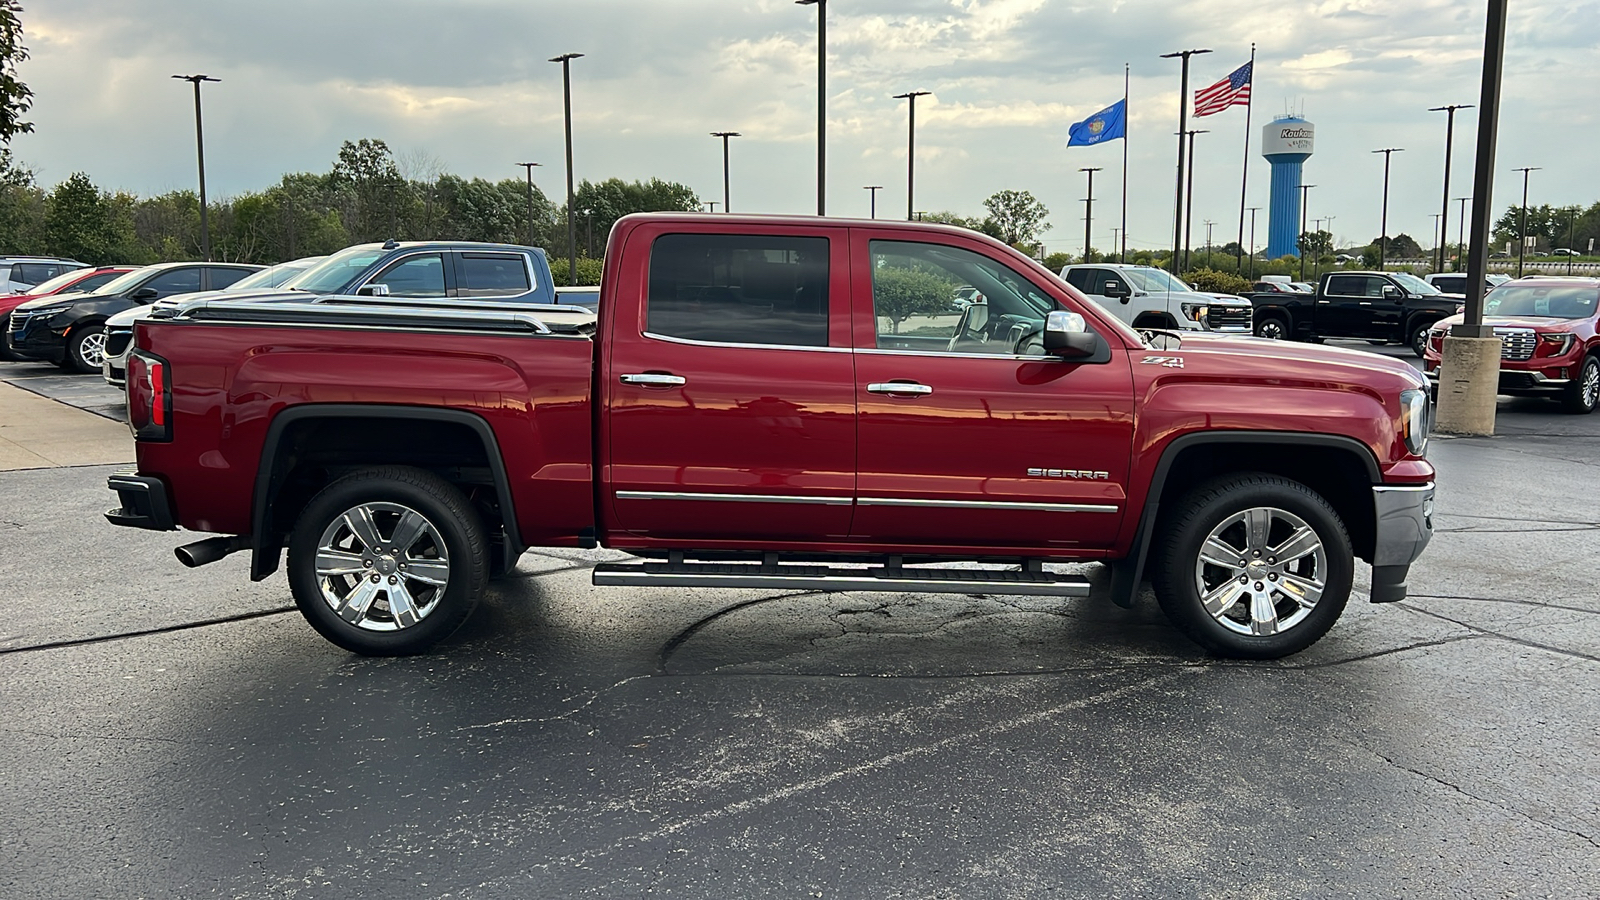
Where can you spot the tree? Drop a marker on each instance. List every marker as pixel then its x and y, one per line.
pixel 1315 244
pixel 15 97
pixel 599 206
pixel 900 293
pixel 982 226
pixel 367 169
pixel 1018 215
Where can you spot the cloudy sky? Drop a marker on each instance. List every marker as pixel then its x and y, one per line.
pixel 465 82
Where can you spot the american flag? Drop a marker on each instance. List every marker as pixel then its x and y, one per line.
pixel 1231 91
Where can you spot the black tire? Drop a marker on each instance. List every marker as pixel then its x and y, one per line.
pixel 1583 394
pixel 1179 573
pixel 1377 343
pixel 5 351
pixel 85 349
pixel 1272 328
pixel 1418 339
pixel 437 611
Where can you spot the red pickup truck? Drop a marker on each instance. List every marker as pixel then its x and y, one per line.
pixel 780 402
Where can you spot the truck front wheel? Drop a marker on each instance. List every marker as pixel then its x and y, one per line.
pixel 1272 328
pixel 1253 566
pixel 1419 338
pixel 387 561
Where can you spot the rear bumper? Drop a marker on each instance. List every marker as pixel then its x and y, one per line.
pixel 1404 528
pixel 144 502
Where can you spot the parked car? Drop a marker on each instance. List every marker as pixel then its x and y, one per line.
pixel 119 328
pixel 437 270
pixel 1564 251
pixel 1549 340
pixel 19 273
pixel 1456 282
pixel 1346 258
pixel 1381 307
pixel 69 330
pixel 965 296
pixel 83 280
pixel 1147 297
pixel 1304 287
pixel 749 415
pixel 1268 287
pixel 1497 278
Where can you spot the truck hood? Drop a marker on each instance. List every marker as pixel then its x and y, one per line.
pixel 1223 299
pixel 1537 323
pixel 1284 362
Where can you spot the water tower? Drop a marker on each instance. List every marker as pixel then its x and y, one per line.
pixel 1286 142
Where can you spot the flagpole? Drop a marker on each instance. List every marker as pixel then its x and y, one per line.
pixel 1244 177
pixel 1123 257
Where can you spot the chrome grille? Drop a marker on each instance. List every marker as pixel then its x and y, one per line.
pixel 1516 344
pixel 117 341
pixel 19 321
pixel 1230 318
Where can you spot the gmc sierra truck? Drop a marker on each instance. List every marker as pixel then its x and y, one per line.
pixel 779 403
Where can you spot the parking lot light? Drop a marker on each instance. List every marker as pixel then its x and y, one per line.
pixel 200 151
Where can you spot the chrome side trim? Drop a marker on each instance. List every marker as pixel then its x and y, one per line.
pixel 873 351
pixel 693 343
pixel 1420 488
pixel 736 498
pixel 985 504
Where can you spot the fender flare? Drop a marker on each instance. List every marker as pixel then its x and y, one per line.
pixel 266 551
pixel 1128 573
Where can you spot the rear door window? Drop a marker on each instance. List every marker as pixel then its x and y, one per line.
pixel 1355 286
pixel 94 281
pixel 492 275
pixel 34 273
pixel 739 289
pixel 221 278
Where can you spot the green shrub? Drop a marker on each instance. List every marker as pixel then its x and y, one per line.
pixel 1217 282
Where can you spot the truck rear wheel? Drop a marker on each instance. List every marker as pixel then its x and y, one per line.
pixel 1253 566
pixel 388 561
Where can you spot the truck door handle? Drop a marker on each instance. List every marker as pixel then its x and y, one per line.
pixel 1365 303
pixel 899 387
pixel 1324 301
pixel 654 379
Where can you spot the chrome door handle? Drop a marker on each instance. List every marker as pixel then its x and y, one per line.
pixel 654 379
pixel 899 387
pixel 1365 303
pixel 1324 301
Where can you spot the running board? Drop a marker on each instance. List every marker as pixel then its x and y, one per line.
pixel 1030 579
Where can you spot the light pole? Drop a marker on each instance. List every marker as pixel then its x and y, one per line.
pixel 1449 139
pixel 565 60
pixel 726 206
pixel 1253 210
pixel 1188 212
pixel 1208 223
pixel 1572 221
pixel 711 206
pixel 1461 232
pixel 200 151
pixel 911 148
pixel 1088 211
pixel 822 101
pixel 529 166
pixel 874 189
pixel 1522 221
pixel 1438 220
pixel 1183 126
pixel 1114 232
pixel 1383 220
pixel 1305 194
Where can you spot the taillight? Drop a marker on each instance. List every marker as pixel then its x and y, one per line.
pixel 149 397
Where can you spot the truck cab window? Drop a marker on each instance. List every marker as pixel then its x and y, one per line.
pixel 414 276
pixel 739 289
pixel 913 297
pixel 492 275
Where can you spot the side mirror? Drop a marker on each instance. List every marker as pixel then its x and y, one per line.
pixel 144 295
pixel 1194 285
pixel 1390 292
pixel 1118 290
pixel 1067 335
pixel 373 290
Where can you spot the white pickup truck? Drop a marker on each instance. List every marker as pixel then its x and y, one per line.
pixel 1147 297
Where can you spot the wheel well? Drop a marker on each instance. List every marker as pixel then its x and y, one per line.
pixel 1154 320
pixel 312 452
pixel 1336 474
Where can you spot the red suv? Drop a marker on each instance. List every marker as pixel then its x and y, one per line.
pixel 77 280
pixel 1549 342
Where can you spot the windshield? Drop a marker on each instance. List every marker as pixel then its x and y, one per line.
pixel 273 276
pixel 336 271
pixel 1538 300
pixel 122 282
pixel 1414 284
pixel 1155 280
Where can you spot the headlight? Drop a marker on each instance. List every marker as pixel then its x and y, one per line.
pixel 1415 421
pixel 1195 311
pixel 1562 339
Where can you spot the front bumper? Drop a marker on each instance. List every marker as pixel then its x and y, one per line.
pixel 36 342
pixel 144 502
pixel 1520 381
pixel 1404 528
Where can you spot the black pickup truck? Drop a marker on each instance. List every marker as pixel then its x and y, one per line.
pixel 1380 307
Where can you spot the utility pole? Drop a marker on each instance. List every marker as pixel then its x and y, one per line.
pixel 822 101
pixel 1438 220
pixel 565 60
pixel 911 149
pixel 1449 140
pixel 1383 226
pixel 1183 127
pixel 1305 193
pixel 1461 232
pixel 1123 256
pixel 1088 211
pixel 1253 210
pixel 1188 212
pixel 200 151
pixel 529 166
pixel 874 189
pixel 1208 223
pixel 726 206
pixel 1522 224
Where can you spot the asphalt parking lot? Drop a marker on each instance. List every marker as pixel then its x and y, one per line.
pixel 174 732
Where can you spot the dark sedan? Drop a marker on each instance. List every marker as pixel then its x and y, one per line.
pixel 70 330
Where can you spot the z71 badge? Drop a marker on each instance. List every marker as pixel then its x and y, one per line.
pixel 1171 362
pixel 1069 473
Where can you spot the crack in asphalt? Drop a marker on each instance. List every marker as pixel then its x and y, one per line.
pixel 1504 637
pixel 146 632
pixel 1535 603
pixel 1471 796
pixel 1419 645
pixel 532 720
pixel 1540 521
pixel 1476 530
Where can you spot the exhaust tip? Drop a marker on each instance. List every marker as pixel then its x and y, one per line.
pixel 208 551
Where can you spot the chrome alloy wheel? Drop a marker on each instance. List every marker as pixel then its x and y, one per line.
pixel 1590 385
pixel 93 349
pixel 1271 329
pixel 1261 571
pixel 382 566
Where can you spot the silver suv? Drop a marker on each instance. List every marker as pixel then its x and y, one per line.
pixel 1147 297
pixel 18 273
